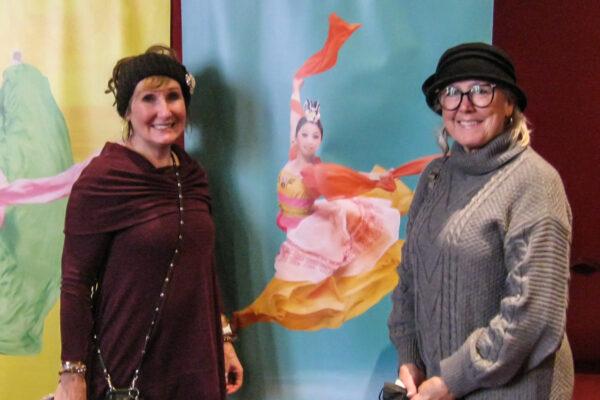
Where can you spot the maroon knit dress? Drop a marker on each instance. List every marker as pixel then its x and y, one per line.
pixel 122 228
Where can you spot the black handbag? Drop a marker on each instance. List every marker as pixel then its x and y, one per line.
pixel 391 391
pixel 122 394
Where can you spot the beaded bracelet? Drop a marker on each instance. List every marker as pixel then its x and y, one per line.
pixel 229 338
pixel 228 335
pixel 72 367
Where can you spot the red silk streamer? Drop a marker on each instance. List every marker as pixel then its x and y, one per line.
pixel 324 59
pixel 335 181
pixel 413 167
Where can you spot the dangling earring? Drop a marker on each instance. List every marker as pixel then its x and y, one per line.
pixel 442 140
pixel 126 132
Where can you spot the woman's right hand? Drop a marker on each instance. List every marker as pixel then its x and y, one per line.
pixel 71 387
pixel 411 376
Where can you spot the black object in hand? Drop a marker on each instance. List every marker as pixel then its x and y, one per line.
pixel 391 391
pixel 122 394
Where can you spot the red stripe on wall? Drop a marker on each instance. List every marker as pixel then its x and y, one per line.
pixel 176 37
pixel 176 27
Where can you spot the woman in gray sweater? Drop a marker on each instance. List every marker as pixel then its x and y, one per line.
pixel 480 311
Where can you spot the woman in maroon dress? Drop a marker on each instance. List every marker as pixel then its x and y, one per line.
pixel 139 227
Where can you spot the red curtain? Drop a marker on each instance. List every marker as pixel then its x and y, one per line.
pixel 176 36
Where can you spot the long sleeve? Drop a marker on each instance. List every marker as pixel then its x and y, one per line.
pixel 82 260
pixel 531 320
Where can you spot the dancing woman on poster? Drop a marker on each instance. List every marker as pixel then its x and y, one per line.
pixel 340 254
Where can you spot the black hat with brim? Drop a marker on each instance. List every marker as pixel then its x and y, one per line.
pixel 473 61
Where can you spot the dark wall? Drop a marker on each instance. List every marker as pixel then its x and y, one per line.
pixel 555 45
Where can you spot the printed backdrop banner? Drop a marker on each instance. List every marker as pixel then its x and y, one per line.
pixel 244 55
pixel 55 58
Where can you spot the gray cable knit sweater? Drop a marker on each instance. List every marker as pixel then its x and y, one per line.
pixel 484 277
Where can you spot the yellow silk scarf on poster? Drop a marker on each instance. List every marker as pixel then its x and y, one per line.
pixel 74 44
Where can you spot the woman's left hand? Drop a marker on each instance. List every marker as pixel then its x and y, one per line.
pixel 234 373
pixel 433 388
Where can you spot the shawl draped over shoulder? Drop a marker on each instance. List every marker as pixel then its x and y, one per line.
pixel 120 180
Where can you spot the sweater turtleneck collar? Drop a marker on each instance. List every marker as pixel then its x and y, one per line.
pixel 490 157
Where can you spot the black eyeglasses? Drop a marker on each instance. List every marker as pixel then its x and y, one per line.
pixel 480 95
